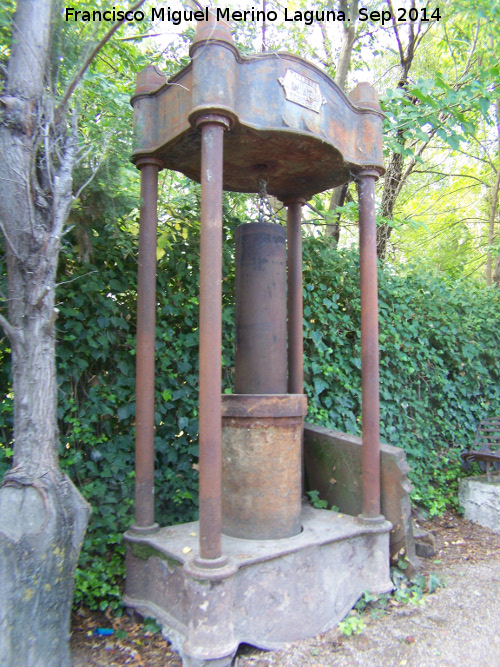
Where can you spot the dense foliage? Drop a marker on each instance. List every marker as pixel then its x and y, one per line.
pixel 439 372
pixel 439 366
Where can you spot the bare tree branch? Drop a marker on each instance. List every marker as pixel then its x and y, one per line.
pixel 144 35
pixel 327 45
pixel 472 50
pixel 92 175
pixel 446 175
pixel 422 34
pixel 396 32
pixel 13 333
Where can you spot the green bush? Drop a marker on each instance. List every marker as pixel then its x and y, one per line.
pixel 439 366
pixel 439 374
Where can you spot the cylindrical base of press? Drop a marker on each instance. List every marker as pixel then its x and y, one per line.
pixel 261 467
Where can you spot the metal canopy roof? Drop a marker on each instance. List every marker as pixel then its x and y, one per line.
pixel 291 124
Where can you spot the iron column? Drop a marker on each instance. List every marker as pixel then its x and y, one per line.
pixel 210 405
pixel 369 344
pixel 145 356
pixel 295 334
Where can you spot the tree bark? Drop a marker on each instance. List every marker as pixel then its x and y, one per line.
pixel 343 66
pixel 493 211
pixel 392 181
pixel 43 518
pixel 496 273
pixel 395 168
pixel 348 39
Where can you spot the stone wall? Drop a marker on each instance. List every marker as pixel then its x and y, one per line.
pixel 333 467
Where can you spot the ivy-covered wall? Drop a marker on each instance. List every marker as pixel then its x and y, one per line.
pixel 439 361
pixel 440 374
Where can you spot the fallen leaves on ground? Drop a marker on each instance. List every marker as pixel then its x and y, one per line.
pixel 130 644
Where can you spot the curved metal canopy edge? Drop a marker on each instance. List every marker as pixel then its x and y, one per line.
pixel 291 124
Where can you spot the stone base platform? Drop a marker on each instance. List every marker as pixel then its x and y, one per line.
pixel 267 592
pixel 480 499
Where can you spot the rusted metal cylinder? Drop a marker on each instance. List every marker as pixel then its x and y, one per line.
pixel 145 356
pixel 295 310
pixel 261 465
pixel 260 298
pixel 369 344
pixel 212 138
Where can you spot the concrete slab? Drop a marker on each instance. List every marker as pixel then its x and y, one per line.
pixel 269 593
pixel 480 499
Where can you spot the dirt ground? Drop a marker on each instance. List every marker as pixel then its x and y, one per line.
pixel 456 625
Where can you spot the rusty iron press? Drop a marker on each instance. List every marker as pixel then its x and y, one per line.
pixel 266 123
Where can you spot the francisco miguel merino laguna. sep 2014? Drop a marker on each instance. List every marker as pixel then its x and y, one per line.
pixel 308 17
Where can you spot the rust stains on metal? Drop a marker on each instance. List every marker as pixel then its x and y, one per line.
pixel 365 96
pixel 260 300
pixel 309 148
pixel 212 138
pixel 292 165
pixel 212 30
pixel 149 80
pixel 295 334
pixel 272 405
pixel 261 488
pixel 369 344
pixel 145 358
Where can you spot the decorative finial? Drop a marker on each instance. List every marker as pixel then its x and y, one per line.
pixel 149 79
pixel 365 95
pixel 212 29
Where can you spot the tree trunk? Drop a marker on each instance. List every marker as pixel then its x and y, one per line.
pixel 42 523
pixel 496 273
pixel 343 66
pixel 395 168
pixel 392 180
pixel 493 211
pixel 348 38
pixel 43 518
